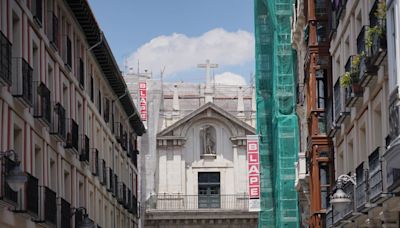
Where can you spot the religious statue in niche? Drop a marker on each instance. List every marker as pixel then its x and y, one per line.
pixel 207 139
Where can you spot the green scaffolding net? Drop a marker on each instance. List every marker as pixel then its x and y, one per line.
pixel 276 113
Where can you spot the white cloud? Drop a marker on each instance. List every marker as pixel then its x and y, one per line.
pixel 178 52
pixel 229 78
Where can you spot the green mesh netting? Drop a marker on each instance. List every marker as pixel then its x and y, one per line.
pixel 276 114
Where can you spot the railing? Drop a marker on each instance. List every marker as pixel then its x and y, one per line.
pixel 5 60
pixel 103 172
pixel 118 131
pixel 84 149
pixel 375 176
pixel 348 188
pixel 68 52
pixel 329 218
pixel 22 80
pixel 32 195
pixel 337 216
pixel 122 193
pixel 134 157
pixel 197 202
pixel 115 186
pixel 41 102
pixel 37 11
pixel 134 206
pixel 52 29
pixel 124 141
pixel 106 113
pixel 339 6
pixel 72 139
pixel 58 127
pixel 367 69
pixel 379 41
pixel 354 90
pixel 48 202
pixel 6 192
pixel 65 213
pixel 392 158
pixel 361 188
pixel 129 200
pixel 340 113
pixel 79 218
pixel 94 161
pixel 110 177
pixel 81 73
pixel 330 124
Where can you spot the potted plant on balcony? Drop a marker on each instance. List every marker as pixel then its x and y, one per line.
pixel 350 79
pixel 378 31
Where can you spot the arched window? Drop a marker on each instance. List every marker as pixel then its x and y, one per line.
pixel 208 140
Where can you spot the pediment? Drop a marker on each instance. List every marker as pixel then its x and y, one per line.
pixel 209 111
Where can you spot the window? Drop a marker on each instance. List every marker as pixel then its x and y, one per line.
pixel 91 89
pixel 325 183
pixel 321 88
pixel 209 190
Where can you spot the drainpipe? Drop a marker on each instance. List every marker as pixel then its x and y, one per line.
pixel 98 43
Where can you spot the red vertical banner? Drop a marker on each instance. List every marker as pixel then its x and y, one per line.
pixel 253 172
pixel 143 101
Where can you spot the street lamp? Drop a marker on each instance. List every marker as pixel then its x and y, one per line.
pixel 16 178
pixel 86 222
pixel 340 199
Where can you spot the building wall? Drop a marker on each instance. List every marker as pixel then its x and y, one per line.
pixel 40 153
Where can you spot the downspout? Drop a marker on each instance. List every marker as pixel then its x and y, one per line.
pixel 98 43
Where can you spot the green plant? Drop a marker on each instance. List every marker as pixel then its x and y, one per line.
pixel 378 29
pixel 345 80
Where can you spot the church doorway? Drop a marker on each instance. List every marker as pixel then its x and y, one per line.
pixel 209 190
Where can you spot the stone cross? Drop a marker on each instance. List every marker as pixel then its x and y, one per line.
pixel 208 67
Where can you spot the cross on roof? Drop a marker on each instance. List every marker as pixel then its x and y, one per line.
pixel 208 67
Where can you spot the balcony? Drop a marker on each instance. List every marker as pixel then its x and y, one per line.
pixel 124 141
pixel 65 213
pixel 22 80
pixel 81 73
pixel 5 60
pixel 122 193
pixel 331 127
pixel 79 217
pixel 115 192
pixel 84 148
pixel 353 92
pixel 68 53
pixel 52 29
pixel 375 181
pixel 94 161
pixel 110 179
pixel 103 172
pixel 37 11
pixel 361 188
pixel 128 205
pixel 329 217
pixel 340 111
pixel 378 40
pixel 337 217
pixel 368 71
pixel 177 202
pixel 134 207
pixel 48 206
pixel 392 157
pixel 41 103
pixel 7 194
pixel 72 137
pixel 32 195
pixel 118 130
pixel 348 188
pixel 339 7
pixel 134 157
pixel 58 125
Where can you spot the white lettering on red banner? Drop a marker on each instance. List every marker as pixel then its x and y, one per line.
pixel 143 100
pixel 253 172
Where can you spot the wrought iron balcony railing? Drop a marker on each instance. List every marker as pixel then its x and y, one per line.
pixel 81 73
pixel 115 192
pixel 134 157
pixel 94 162
pixel 354 91
pixel 197 202
pixel 379 40
pixel 339 7
pixel 392 158
pixel 68 53
pixel 368 70
pixel 128 205
pixel 84 154
pixel 361 188
pixel 340 112
pixel 7 194
pixel 375 181
pixel 52 29
pixel 65 213
pixel 134 207
pixel 329 218
pixel 22 80
pixel 5 60
pixel 331 126
pixel 41 102
pixel 48 205
pixel 32 195
pixel 58 122
pixel 118 130
pixel 37 11
pixel 72 136
pixel 348 188
pixel 103 172
pixel 110 179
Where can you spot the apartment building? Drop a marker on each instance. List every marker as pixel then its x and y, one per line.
pixel 364 193
pixel 66 118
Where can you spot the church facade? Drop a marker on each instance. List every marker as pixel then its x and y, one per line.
pixel 195 164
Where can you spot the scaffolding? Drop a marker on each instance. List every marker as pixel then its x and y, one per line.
pixel 276 116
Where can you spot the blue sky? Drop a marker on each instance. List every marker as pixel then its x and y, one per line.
pixel 174 26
